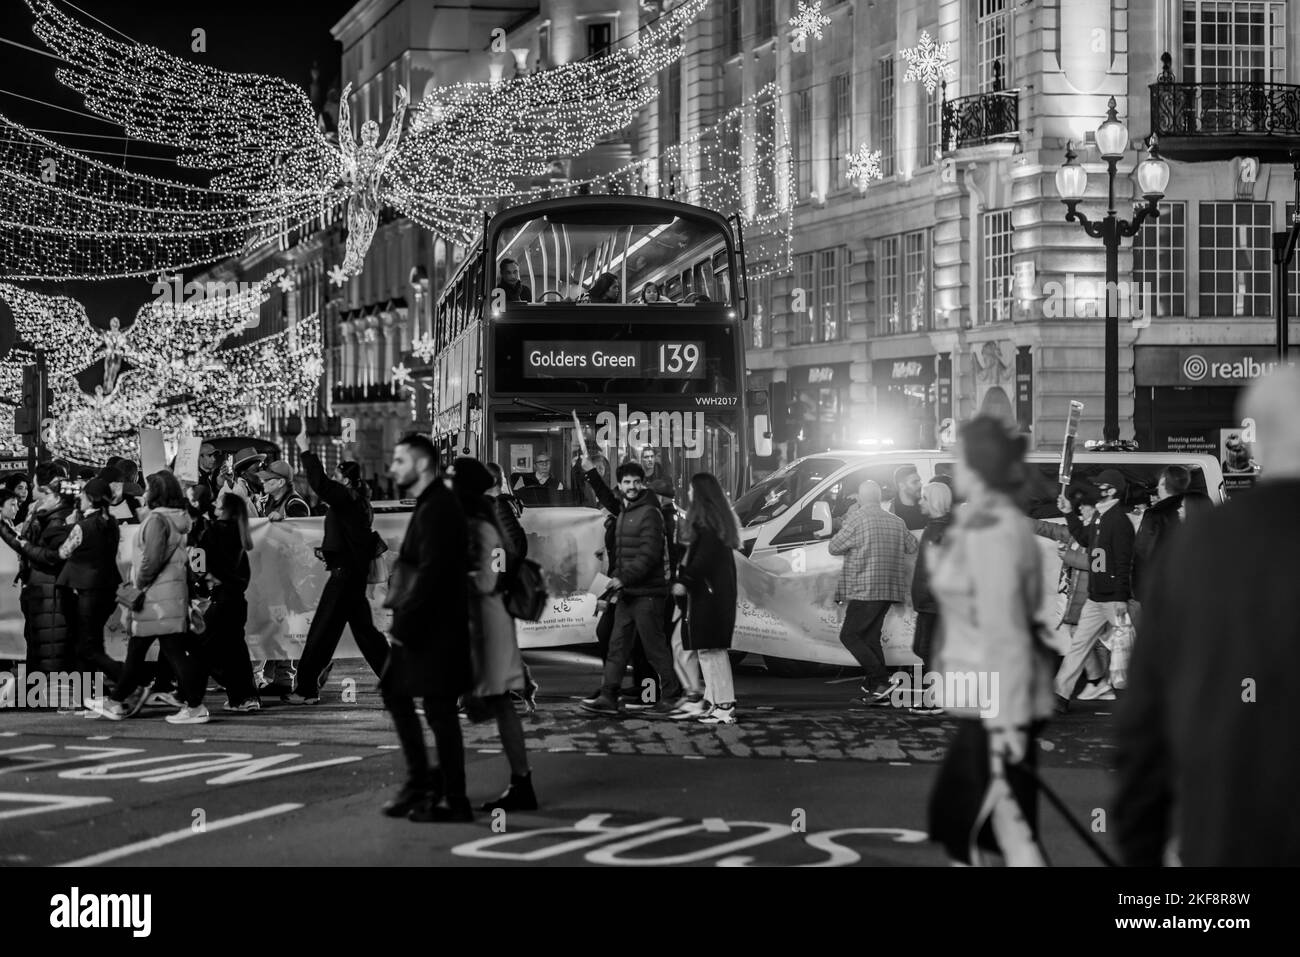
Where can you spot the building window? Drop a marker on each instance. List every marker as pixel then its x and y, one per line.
pixel 765 146
pixel 1293 310
pixel 803 144
pixel 841 118
pixel 765 20
pixel 930 131
pixel 998 277
pixel 916 280
pixel 888 320
pixel 804 279
pixel 599 38
pixel 760 307
pixel 1234 41
pixel 1160 262
pixel 544 45
pixel 1235 259
pixel 830 294
pixel 885 117
pixel 670 105
pixel 991 42
pixel 731 26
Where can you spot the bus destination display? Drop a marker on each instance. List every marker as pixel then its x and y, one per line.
pixel 614 360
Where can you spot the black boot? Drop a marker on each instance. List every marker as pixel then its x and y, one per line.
pixel 447 810
pixel 414 793
pixel 518 797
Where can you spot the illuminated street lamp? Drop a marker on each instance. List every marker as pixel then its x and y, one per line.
pixel 1072 185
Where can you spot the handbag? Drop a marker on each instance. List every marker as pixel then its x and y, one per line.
pixel 377 574
pixel 1121 646
pixel 132 598
pixel 525 591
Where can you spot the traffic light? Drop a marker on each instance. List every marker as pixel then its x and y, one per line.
pixel 27 418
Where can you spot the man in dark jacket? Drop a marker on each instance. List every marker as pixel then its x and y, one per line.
pixel 1206 733
pixel 429 596
pixel 640 589
pixel 87 582
pixel 1109 541
pixel 348 547
pixel 1158 522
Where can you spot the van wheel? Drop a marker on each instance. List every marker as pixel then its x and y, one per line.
pixel 789 668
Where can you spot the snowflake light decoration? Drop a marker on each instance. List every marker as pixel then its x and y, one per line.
pixel 927 62
pixel 401 375
pixel 425 348
pixel 285 284
pixel 313 367
pixel 809 20
pixel 338 275
pixel 864 165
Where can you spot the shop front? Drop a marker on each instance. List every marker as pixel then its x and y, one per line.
pixel 1186 401
pixel 907 400
pixel 819 402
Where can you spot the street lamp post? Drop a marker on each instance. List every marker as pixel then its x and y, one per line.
pixel 1072 184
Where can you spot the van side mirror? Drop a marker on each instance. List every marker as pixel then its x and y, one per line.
pixel 821 514
pixel 762 436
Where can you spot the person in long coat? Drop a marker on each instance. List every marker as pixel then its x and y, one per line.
pixel 706 583
pixel 494 649
pixel 429 654
pixel 87 582
pixel 49 643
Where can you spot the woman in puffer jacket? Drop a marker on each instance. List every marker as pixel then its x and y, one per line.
pixel 49 644
pixel 159 569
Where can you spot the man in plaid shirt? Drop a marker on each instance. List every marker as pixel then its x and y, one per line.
pixel 874 544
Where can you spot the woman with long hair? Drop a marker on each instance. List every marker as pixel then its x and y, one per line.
pixel 17 483
pixel 159 569
pixel 987 578
pixel 494 649
pixel 605 288
pixel 936 506
pixel 706 585
pixel 507 510
pixel 226 543
pixel 649 293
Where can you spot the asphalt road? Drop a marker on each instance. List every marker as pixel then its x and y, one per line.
pixel 806 778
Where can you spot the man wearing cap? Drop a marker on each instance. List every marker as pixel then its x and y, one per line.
pixel 282 499
pixel 1108 538
pixel 208 468
pixel 239 479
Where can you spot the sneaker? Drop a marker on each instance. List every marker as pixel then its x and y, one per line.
pixel 603 704
pixel 660 709
pixel 296 698
pixel 1099 690
pixel 593 697
pixel 106 708
pixel 262 682
pixel 518 797
pixel 162 699
pixel 690 707
pixel 136 700
pixel 246 706
pixel 196 715
pixel 719 714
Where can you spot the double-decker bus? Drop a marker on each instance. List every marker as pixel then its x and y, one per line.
pixel 514 366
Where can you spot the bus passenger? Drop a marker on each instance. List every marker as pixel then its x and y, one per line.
pixel 649 293
pixel 508 279
pixel 655 470
pixel 539 486
pixel 606 288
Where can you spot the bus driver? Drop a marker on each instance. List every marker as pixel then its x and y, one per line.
pixel 508 279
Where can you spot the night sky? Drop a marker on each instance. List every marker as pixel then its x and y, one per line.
pixel 274 38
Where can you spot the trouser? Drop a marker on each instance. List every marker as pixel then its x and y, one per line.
pixel 445 725
pixel 640 615
pixel 183 653
pixel 641 669
pixel 927 624
pixel 87 612
pixel 1134 614
pixel 860 634
pixel 686 665
pixel 511 731
pixel 282 671
pixel 715 663
pixel 343 602
pixel 1095 618
pixel 225 649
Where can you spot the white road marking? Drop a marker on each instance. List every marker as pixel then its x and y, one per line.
pixel 8 734
pixel 596 754
pixel 693 757
pixel 389 747
pixel 489 751
pixel 288 744
pixel 99 737
pixel 45 802
pixel 900 764
pixel 195 741
pixel 172 837
pixel 805 760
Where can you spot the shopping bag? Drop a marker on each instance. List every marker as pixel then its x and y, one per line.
pixel 1121 647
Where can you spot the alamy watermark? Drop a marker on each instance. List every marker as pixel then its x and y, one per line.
pixel 1077 298
pixel 48 689
pixel 665 430
pixel 974 690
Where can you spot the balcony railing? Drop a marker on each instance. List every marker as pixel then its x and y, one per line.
pixel 980 119
pixel 1217 120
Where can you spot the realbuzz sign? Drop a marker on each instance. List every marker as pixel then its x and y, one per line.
pixel 663 430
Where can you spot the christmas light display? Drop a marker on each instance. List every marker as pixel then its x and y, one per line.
pixel 274 168
pixel 927 62
pixel 809 20
pixel 864 165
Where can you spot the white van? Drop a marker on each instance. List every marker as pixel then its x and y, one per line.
pixel 798 508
